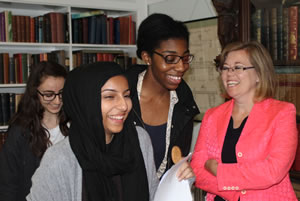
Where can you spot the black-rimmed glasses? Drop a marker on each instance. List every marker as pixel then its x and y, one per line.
pixel 50 96
pixel 235 69
pixel 174 59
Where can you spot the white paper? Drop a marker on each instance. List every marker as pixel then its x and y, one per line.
pixel 171 189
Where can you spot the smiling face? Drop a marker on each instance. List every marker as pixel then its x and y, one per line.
pixel 52 85
pixel 115 105
pixel 241 86
pixel 167 75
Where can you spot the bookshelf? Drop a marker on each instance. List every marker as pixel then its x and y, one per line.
pixel 48 31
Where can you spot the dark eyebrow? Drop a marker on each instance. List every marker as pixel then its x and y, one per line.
pixel 112 90
pixel 174 52
pixel 50 91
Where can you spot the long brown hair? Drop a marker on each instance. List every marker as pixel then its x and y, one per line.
pixel 30 111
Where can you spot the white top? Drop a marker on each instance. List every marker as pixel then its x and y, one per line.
pixel 55 135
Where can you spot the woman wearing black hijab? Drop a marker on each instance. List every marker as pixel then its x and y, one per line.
pixel 101 159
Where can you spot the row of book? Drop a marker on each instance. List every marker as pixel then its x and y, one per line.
pixel 88 56
pixel 8 106
pixel 95 27
pixel 49 28
pixel 288 89
pixel 16 68
pixel 278 30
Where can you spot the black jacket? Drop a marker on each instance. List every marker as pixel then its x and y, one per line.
pixel 183 115
pixel 17 165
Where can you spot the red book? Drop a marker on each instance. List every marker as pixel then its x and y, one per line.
pixel 99 56
pixel 32 31
pixel 17 74
pixel 60 27
pixel 20 68
pixel 6 68
pixel 293 32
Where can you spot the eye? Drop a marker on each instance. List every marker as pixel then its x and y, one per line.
pixel 238 67
pixel 225 68
pixel 171 58
pixel 186 58
pixel 108 97
pixel 49 95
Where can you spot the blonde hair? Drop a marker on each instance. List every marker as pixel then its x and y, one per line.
pixel 260 58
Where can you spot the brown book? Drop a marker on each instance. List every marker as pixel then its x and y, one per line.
pixel 60 27
pixel 6 68
pixel 110 30
pixel 14 28
pixel 273 20
pixel 293 32
pixel 18 32
pixel 53 27
pixel 285 32
pixel 22 29
pixel 27 29
pixel 124 30
pixel 85 30
pixel 32 30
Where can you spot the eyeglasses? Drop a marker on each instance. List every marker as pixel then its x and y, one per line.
pixel 235 69
pixel 50 96
pixel 174 59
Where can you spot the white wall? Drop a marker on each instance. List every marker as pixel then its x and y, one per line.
pixel 183 10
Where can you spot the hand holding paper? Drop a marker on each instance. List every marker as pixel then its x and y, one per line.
pixel 171 189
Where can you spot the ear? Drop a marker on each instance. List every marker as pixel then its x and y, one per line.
pixel 146 58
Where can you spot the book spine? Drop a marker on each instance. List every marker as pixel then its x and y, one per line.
pixel 6 68
pixel 279 34
pixel 266 28
pixel 273 20
pixel 293 32
pixel 285 31
pixel 1 69
pixel 12 78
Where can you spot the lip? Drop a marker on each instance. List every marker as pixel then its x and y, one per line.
pixel 174 79
pixel 117 118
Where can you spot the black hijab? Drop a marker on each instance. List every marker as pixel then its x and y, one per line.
pixel 82 103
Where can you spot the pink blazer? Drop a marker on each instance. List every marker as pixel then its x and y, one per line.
pixel 265 153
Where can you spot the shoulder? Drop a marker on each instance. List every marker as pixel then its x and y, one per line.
pixel 17 134
pixel 185 96
pixel 217 110
pixel 273 106
pixel 60 153
pixel 144 138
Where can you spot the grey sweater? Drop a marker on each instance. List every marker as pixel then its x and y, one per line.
pixel 59 176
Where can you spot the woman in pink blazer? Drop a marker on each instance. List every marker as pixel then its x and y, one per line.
pixel 247 145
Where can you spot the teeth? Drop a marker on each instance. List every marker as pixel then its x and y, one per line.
pixel 175 77
pixel 232 83
pixel 117 117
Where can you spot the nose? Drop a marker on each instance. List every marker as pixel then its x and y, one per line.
pixel 122 104
pixel 231 70
pixel 181 67
pixel 57 100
